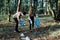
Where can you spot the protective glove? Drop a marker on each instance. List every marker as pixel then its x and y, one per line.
pixel 29 19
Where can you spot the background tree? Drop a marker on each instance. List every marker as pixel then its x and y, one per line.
pixel 18 6
pixel 9 14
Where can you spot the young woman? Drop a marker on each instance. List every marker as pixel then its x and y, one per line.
pixel 31 18
pixel 16 18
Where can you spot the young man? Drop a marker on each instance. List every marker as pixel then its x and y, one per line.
pixel 16 18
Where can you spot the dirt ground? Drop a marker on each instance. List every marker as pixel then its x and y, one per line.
pixel 48 31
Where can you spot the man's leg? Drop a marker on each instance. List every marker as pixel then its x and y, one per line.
pixel 16 27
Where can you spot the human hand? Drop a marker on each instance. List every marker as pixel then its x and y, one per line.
pixel 29 18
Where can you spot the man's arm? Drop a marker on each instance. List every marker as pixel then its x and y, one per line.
pixel 22 14
pixel 18 19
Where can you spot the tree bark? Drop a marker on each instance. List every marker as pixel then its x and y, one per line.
pixel 9 14
pixel 18 7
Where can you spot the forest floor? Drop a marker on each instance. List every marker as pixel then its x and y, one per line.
pixel 49 30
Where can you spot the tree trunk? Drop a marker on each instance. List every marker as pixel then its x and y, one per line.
pixel 18 7
pixel 35 6
pixel 9 14
pixel 30 2
pixel 58 12
pixel 51 9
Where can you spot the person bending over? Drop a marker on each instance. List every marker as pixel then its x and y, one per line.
pixel 16 18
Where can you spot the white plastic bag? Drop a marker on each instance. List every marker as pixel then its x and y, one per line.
pixel 29 19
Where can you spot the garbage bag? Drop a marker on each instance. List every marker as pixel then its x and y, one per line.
pixel 37 22
pixel 22 23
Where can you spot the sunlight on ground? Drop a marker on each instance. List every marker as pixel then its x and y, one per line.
pixel 55 33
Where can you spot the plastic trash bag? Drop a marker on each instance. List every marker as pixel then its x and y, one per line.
pixel 27 38
pixel 22 23
pixel 37 22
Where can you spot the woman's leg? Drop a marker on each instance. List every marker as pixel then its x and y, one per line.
pixel 32 25
pixel 32 22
